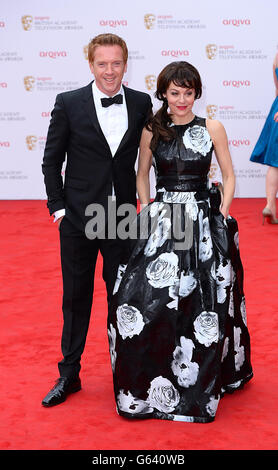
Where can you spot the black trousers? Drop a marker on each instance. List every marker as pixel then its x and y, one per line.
pixel 78 260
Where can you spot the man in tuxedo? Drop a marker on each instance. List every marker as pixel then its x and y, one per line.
pixel 97 129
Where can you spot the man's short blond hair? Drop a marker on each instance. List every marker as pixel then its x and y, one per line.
pixel 106 39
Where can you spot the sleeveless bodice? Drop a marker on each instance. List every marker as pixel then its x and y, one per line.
pixel 183 163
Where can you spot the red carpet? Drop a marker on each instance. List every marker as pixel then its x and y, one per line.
pixel 31 322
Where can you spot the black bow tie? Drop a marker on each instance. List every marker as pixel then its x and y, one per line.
pixel 118 99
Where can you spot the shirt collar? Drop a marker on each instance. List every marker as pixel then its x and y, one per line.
pixel 97 94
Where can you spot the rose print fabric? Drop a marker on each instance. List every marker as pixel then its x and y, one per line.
pixel 178 331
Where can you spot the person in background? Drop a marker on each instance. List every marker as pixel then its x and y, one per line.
pixel 266 153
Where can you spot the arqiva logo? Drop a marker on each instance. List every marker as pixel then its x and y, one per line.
pixel 237 22
pixel 175 53
pixel 2 24
pixel 3 85
pixel 237 83
pixel 239 142
pixel 53 54
pixel 5 144
pixel 113 23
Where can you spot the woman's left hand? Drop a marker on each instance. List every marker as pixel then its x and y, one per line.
pixel 276 117
pixel 224 212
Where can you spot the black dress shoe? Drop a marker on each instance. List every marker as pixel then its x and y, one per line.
pixel 62 388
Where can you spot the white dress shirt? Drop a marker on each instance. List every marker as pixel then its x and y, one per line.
pixel 113 122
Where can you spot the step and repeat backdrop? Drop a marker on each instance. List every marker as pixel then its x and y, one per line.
pixel 43 52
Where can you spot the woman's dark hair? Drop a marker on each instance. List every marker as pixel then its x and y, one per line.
pixel 182 74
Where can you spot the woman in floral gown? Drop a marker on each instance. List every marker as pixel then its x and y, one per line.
pixel 177 332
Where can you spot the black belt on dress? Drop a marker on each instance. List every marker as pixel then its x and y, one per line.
pixel 184 186
pixel 199 195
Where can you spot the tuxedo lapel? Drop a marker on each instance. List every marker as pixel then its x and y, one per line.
pixel 90 109
pixel 131 113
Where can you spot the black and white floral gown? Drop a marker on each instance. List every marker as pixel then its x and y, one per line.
pixel 177 331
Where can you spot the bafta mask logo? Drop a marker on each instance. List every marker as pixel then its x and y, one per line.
pixel 212 171
pixel 149 21
pixel 211 50
pixel 150 81
pixel 27 21
pixel 31 141
pixel 29 83
pixel 211 111
pixel 85 52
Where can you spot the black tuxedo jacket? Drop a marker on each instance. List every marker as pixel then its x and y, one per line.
pixel 74 132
